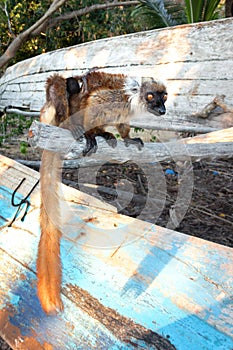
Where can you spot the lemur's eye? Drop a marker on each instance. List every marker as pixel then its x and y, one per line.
pixel 149 96
pixel 165 97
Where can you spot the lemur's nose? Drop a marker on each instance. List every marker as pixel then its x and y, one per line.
pixel 162 110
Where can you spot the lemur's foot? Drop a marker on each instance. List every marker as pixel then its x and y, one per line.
pixel 134 141
pixel 109 138
pixel 91 145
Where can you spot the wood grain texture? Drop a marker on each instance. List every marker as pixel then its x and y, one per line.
pixel 187 57
pixel 211 145
pixel 125 282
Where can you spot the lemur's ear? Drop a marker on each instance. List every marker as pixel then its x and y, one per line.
pixel 147 80
pixel 132 85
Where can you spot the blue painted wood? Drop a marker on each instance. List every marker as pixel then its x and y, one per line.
pixel 149 301
pixel 7 210
pixel 175 285
pixel 71 331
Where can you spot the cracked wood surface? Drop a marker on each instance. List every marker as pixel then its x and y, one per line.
pixel 126 283
pixel 211 145
pixel 143 282
pixel 195 61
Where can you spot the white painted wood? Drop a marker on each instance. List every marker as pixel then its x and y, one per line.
pixel 147 282
pixel 195 61
pixel 166 282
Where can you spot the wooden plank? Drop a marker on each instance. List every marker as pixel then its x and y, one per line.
pixel 11 173
pixel 125 282
pixel 225 135
pixel 187 57
pixel 188 94
pixel 192 42
pixel 182 84
pixel 206 72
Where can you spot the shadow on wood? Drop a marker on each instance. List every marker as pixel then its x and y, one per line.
pixel 127 283
pixel 147 282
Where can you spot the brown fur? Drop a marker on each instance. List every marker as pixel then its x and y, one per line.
pixel 55 99
pixel 92 82
pixel 97 88
pixel 49 272
pixel 101 101
pixel 48 261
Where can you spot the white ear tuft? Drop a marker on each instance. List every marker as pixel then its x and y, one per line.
pixel 147 79
pixel 132 85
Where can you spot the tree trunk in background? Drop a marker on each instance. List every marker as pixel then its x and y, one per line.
pixel 229 8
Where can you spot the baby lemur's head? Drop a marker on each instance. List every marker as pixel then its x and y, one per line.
pixel 145 92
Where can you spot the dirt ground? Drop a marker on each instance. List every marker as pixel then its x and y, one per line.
pixel 209 214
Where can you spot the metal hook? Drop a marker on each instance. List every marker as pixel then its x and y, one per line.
pixel 23 201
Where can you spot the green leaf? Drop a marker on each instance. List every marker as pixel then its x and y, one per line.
pixel 158 13
pixel 210 11
pixel 23 147
pixel 201 10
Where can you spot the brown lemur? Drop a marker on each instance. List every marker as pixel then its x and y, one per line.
pixel 113 99
pixel 97 99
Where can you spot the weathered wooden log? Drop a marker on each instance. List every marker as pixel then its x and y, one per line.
pixel 62 141
pixel 220 136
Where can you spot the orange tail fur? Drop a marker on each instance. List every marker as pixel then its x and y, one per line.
pixel 49 272
pixel 48 262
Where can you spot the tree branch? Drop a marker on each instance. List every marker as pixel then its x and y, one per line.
pixel 5 9
pixel 43 24
pixel 24 36
pixel 67 16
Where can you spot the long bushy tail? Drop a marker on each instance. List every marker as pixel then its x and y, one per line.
pixel 49 271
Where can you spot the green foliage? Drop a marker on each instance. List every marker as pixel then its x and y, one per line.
pixel 13 125
pixel 17 16
pixel 153 138
pixel 164 13
pixel 23 147
pixel 138 130
pixel 101 24
pixel 158 13
pixel 200 10
pixel 95 25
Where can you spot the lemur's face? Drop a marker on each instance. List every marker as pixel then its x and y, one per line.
pixel 146 93
pixel 153 95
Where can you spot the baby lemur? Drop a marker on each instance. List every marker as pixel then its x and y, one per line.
pixel 94 100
